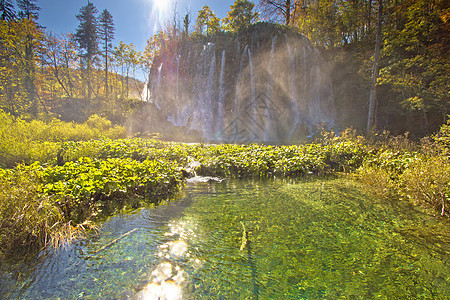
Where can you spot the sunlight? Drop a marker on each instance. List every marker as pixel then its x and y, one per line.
pixel 161 5
pixel 161 11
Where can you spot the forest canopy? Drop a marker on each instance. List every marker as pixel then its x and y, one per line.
pixel 87 71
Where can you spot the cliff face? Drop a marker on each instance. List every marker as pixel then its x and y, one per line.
pixel 267 84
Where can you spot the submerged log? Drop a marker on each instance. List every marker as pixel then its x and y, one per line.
pixel 115 240
pixel 244 237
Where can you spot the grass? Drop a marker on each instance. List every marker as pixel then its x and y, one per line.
pixel 27 142
pixel 28 220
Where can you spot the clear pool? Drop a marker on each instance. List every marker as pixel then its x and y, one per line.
pixel 306 239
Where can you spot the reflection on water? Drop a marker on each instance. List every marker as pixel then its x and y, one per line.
pixel 317 239
pixel 168 277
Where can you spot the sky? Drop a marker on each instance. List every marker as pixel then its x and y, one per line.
pixel 135 20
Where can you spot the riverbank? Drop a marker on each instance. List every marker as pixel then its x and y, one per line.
pixel 59 198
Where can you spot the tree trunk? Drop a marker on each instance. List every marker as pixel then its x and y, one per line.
pixel 128 90
pixel 373 96
pixel 89 89
pixel 288 12
pixel 106 68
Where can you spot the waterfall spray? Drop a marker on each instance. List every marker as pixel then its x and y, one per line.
pixel 253 126
pixel 269 94
pixel 236 109
pixel 221 98
pixel 271 86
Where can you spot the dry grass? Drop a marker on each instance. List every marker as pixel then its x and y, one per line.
pixel 428 183
pixel 29 221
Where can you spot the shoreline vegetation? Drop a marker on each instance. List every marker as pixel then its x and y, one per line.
pixel 58 179
pixel 65 166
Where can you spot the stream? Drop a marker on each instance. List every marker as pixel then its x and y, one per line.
pixel 317 238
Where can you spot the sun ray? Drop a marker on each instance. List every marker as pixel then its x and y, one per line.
pixel 160 12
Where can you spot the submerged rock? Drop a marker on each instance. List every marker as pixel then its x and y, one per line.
pixel 204 179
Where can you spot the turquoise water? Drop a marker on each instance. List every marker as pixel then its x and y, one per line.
pixel 310 239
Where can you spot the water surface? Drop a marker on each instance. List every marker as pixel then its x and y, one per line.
pixel 309 239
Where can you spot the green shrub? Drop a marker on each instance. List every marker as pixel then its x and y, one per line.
pixel 28 220
pixel 421 175
pixel 42 202
pixel 442 139
pixel 27 142
pixel 99 123
pixel 79 187
pixel 49 204
pixel 428 183
pixel 378 179
pixel 394 162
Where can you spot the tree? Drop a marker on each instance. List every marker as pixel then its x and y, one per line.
pixel 207 18
pixel 28 9
pixel 17 68
pixel 186 24
pixel 417 59
pixel 240 16
pixel 106 31
pixel 155 47
pixel 279 9
pixel 375 72
pixel 320 21
pixel 6 10
pixel 60 56
pixel 120 58
pixel 127 59
pixel 87 37
pixel 329 23
pixel 173 32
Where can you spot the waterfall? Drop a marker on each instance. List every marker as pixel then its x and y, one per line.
pixel 157 86
pixel 145 93
pixel 208 107
pixel 202 94
pixel 178 77
pixel 269 94
pixel 293 87
pixel 221 98
pixel 269 86
pixel 236 109
pixel 253 125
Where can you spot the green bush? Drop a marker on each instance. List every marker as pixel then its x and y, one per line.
pixel 44 202
pixel 80 186
pixel 48 204
pixel 27 142
pixel 28 219
pixel 421 175
pixel 428 183
pixel 378 179
pixel 442 139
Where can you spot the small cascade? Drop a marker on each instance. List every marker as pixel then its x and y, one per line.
pixel 201 116
pixel 176 118
pixel 145 92
pixel 221 99
pixel 208 107
pixel 157 85
pixel 269 94
pixel 178 78
pixel 253 126
pixel 236 110
pixel 293 54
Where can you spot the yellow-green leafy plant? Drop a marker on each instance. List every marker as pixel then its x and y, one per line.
pixel 428 182
pixel 28 219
